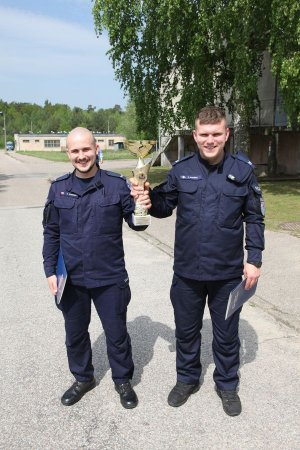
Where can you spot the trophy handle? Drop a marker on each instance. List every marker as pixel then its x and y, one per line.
pixel 141 173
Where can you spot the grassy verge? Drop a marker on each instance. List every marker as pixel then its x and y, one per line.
pixel 282 198
pixel 50 156
pixel 109 155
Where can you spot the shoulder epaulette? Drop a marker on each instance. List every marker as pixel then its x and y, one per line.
pixel 238 172
pixel 182 159
pixel 63 177
pixel 242 157
pixel 115 174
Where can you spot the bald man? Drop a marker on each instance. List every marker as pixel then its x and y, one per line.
pixel 83 216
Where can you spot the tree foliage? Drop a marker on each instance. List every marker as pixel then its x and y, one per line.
pixel 174 56
pixel 32 118
pixel 285 50
pixel 127 124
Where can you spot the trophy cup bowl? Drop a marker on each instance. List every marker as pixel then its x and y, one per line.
pixel 140 216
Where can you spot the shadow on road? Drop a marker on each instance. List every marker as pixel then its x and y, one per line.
pixel 144 333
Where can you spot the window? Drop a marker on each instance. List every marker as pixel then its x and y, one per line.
pixel 110 142
pixel 37 140
pixel 26 140
pixel 50 143
pixel 100 140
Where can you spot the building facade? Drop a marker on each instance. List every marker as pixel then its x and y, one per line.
pixel 270 122
pixel 57 141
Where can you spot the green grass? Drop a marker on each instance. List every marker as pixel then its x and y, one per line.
pixel 282 198
pixel 51 156
pixel 109 155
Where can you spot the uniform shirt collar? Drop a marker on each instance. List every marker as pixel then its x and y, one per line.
pixel 212 167
pixel 71 182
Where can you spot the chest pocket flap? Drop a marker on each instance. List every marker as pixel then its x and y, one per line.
pixel 235 190
pixel 187 185
pixel 64 202
pixel 109 200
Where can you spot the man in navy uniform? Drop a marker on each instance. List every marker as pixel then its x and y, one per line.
pixel 83 216
pixel 215 194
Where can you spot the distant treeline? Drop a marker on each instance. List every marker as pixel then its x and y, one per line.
pixel 33 118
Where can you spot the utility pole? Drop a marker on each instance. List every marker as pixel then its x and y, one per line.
pixel 4 128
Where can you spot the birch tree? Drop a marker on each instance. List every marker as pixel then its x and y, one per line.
pixel 173 57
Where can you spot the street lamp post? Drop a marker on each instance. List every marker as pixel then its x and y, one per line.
pixel 4 129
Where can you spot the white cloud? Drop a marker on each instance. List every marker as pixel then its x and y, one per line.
pixel 42 57
pixel 33 43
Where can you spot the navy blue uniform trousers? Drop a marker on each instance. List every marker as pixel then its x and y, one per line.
pixel 188 299
pixel 111 305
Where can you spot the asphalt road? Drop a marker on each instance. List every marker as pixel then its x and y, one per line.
pixel 34 371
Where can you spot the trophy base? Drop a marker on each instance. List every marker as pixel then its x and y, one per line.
pixel 141 221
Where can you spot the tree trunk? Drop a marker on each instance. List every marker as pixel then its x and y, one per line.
pixel 241 133
pixel 272 154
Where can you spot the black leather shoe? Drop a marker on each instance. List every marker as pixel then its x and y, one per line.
pixel 128 397
pixel 77 391
pixel 181 392
pixel 231 402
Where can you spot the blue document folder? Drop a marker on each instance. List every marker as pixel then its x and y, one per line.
pixel 61 275
pixel 238 297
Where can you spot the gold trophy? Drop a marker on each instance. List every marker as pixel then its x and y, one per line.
pixel 140 217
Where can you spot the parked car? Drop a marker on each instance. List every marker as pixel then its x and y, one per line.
pixel 10 146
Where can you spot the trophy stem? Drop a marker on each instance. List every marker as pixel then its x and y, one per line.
pixel 140 217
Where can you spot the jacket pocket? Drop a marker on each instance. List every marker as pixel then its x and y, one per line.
pixel 188 199
pixel 187 186
pixel 67 214
pixel 108 214
pixel 231 205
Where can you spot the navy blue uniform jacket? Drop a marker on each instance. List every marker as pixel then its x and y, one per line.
pixel 88 227
pixel 213 203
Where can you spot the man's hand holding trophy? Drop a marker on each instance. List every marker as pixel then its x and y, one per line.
pixel 140 185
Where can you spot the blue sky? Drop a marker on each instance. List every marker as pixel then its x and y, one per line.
pixel 49 50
